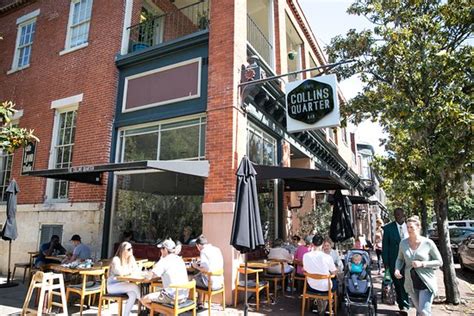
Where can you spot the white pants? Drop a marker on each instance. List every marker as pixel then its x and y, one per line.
pixel 132 290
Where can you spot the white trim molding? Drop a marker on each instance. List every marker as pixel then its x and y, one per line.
pixel 67 102
pixel 27 17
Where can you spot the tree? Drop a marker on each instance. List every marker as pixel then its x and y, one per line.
pixel 417 70
pixel 12 137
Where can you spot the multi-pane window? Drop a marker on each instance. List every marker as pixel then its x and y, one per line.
pixel 47 231
pixel 5 172
pixel 63 150
pixel 261 147
pixel 79 22
pixel 164 141
pixel 26 32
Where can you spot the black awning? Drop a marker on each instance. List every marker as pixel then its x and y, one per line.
pixel 355 199
pixel 92 174
pixel 301 179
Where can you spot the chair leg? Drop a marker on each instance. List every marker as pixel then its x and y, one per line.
pixel 223 300
pixel 257 294
pixel 303 302
pixel 235 296
pixel 209 302
pixel 24 274
pixel 99 308
pixel 13 274
pixel 330 307
pixel 120 306
pixel 268 294
pixel 82 305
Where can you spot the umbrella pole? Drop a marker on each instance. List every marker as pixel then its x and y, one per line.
pixel 9 259
pixel 10 282
pixel 246 306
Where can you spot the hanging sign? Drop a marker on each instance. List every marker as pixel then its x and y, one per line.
pixel 28 157
pixel 312 104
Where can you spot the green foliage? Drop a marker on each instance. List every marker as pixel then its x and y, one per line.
pixel 318 220
pixel 417 69
pixel 461 207
pixel 11 137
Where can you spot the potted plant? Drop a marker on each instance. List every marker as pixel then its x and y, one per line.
pixel 203 20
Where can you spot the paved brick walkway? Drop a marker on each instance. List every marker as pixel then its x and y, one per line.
pixel 11 301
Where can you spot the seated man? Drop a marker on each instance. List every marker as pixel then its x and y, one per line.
pixel 172 270
pixel 211 260
pixel 280 253
pixel 318 262
pixel 81 251
pixel 51 248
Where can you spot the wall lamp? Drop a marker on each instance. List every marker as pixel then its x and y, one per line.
pixel 301 197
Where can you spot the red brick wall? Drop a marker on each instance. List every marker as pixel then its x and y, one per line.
pixel 225 135
pixel 90 70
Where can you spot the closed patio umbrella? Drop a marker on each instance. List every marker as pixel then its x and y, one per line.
pixel 9 231
pixel 341 227
pixel 247 232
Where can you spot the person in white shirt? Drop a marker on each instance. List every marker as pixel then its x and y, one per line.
pixel 280 253
pixel 123 263
pixel 211 260
pixel 318 262
pixel 172 270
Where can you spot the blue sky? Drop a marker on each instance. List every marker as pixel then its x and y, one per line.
pixel 328 18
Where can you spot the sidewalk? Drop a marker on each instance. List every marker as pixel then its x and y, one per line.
pixel 11 300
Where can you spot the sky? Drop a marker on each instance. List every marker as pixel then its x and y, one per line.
pixel 328 18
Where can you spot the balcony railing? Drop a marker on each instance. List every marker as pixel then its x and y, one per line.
pixel 259 41
pixel 169 26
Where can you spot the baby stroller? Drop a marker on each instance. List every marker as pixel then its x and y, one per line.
pixel 361 294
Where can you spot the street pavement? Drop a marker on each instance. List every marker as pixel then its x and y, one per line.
pixel 11 300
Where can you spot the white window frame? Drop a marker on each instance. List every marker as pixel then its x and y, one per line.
pixel 60 106
pixel 67 44
pixel 120 148
pixel 21 22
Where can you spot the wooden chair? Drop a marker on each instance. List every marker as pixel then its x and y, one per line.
pixel 87 288
pixel 107 297
pixel 177 308
pixel 297 277
pixel 252 285
pixel 275 278
pixel 330 296
pixel 209 292
pixel 26 266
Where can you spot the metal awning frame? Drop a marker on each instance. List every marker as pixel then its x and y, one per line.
pixel 93 174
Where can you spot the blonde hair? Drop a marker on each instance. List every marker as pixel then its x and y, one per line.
pixel 414 219
pixel 379 222
pixel 356 256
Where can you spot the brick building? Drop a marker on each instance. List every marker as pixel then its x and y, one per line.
pixel 149 91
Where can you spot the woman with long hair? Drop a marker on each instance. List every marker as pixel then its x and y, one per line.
pixel 420 257
pixel 123 263
pixel 378 242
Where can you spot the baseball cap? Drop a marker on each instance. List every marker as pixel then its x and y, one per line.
pixel 169 244
pixel 308 239
pixel 76 237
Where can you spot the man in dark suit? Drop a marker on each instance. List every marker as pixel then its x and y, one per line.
pixel 393 233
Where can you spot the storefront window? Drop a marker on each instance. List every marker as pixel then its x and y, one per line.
pixel 157 205
pixel 261 149
pixel 153 204
pixel 164 141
